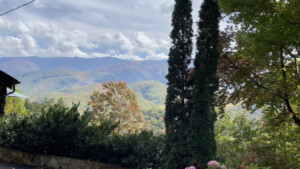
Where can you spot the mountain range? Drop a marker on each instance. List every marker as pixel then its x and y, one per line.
pixel 75 79
pixel 99 69
pixel 45 77
pixel 41 77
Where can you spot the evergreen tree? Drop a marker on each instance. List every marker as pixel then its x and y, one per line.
pixel 178 92
pixel 201 139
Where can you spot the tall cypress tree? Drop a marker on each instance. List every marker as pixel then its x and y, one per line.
pixel 201 138
pixel 178 92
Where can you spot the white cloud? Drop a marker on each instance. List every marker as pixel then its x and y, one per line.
pixel 145 44
pixel 132 29
pixel 99 55
pixel 44 39
pixel 38 4
pixel 158 56
pixel 125 43
pixel 166 6
pixel 50 40
pixel 128 57
pixel 20 27
pixel 11 46
pixel 29 43
pixel 2 22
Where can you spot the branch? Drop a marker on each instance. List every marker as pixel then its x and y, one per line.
pixel 252 79
pixel 287 100
pixel 226 67
pixel 17 8
pixel 295 59
pixel 289 22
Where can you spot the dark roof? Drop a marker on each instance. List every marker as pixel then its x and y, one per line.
pixel 7 81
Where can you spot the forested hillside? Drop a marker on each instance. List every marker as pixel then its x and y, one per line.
pixel 92 70
pixel 150 95
pixel 75 79
pixel 44 78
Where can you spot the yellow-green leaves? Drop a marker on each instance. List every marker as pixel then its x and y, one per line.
pixel 15 105
pixel 117 103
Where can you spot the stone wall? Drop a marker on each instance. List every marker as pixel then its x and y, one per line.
pixel 54 162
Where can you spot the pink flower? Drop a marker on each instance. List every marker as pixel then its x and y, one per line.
pixel 191 167
pixel 223 167
pixel 213 164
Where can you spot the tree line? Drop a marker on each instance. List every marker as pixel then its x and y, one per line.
pixel 190 113
pixel 254 61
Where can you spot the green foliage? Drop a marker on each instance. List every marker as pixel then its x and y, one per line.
pixel 263 65
pixel 155 117
pixel 15 105
pixel 62 131
pixel 201 138
pixel 255 166
pixel 50 80
pixel 251 143
pixel 142 148
pixel 276 146
pixel 35 107
pixel 150 96
pixel 47 132
pixel 59 80
pixel 178 90
pixel 149 93
pixel 233 135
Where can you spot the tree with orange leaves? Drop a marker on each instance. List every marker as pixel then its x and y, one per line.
pixel 117 103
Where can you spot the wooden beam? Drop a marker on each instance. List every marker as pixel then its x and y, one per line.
pixel 2 100
pixel 7 80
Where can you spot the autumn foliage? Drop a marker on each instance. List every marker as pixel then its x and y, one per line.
pixel 117 103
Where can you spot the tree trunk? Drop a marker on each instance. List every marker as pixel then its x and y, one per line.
pixel 2 100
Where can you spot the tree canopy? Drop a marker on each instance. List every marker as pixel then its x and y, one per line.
pixel 178 91
pixel 201 139
pixel 15 105
pixel 117 103
pixel 260 60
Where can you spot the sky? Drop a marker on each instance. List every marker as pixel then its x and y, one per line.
pixel 126 29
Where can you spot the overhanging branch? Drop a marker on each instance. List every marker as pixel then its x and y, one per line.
pixel 252 79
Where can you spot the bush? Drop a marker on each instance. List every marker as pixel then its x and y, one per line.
pixel 143 150
pixel 55 131
pixel 62 131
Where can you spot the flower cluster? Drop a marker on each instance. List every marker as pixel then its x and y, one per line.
pixel 211 165
pixel 191 167
pixel 223 167
pixel 215 165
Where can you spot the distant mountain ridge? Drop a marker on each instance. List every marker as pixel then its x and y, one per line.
pixel 75 79
pixel 12 64
pixel 98 69
pixel 43 75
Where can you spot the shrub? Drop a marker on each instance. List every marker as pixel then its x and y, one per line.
pixel 145 150
pixel 54 131
pixel 62 131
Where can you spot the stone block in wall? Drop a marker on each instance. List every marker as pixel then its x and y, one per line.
pixel 54 162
